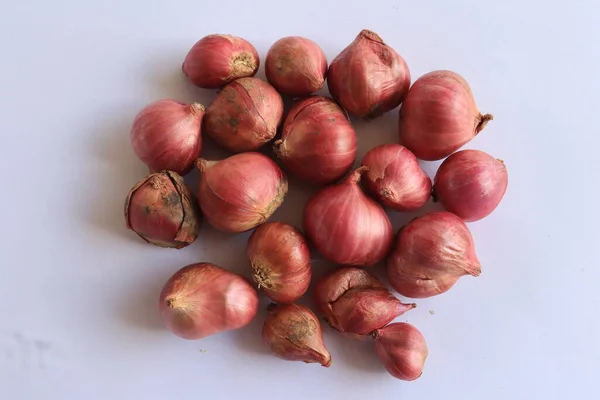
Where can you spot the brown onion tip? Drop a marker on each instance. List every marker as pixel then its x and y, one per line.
pixel 483 121
pixel 370 35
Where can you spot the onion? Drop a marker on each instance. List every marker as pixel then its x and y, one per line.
pixel 318 143
pixel 356 303
pixel 395 178
pixel 431 253
pixel 216 60
pixel 202 299
pixel 402 350
pixel 244 116
pixel 296 65
pixel 346 226
pixel 240 192
pixel 163 211
pixel 471 184
pixel 293 333
pixel 280 261
pixel 439 116
pixel 166 135
pixel 368 77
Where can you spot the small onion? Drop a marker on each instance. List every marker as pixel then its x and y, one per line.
pixel 166 135
pixel 471 184
pixel 244 116
pixel 240 192
pixel 216 60
pixel 402 350
pixel 439 116
pixel 395 178
pixel 318 143
pixel 203 299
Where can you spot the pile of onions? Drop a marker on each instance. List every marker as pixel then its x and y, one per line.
pixel 439 116
pixel 346 226
pixel 280 261
pixel 166 135
pixel 395 178
pixel 318 143
pixel 356 303
pixel 402 350
pixel 240 192
pixel 216 60
pixel 471 184
pixel 431 253
pixel 202 299
pixel 368 77
pixel 244 116
pixel 296 66
pixel 163 211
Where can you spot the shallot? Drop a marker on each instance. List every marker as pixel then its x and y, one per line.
pixel 402 350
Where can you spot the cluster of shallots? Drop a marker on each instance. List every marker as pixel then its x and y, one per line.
pixel 346 221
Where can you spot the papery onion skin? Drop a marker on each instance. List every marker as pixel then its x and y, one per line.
pixel 346 226
pixel 395 178
pixel 430 254
pixel 166 135
pixel 240 192
pixel 163 211
pixel 439 116
pixel 296 66
pixel 368 77
pixel 318 143
pixel 203 299
pixel 402 350
pixel 471 184
pixel 293 332
pixel 356 303
pixel 244 116
pixel 215 60
pixel 280 261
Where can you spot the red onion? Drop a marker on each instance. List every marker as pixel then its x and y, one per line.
pixel 163 211
pixel 368 77
pixel 202 299
pixel 318 143
pixel 293 333
pixel 280 261
pixel 439 116
pixel 240 192
pixel 356 303
pixel 216 60
pixel 395 178
pixel 245 115
pixel 471 184
pixel 431 253
pixel 402 350
pixel 166 135
pixel 296 65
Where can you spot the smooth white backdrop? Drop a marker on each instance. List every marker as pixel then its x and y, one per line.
pixel 78 292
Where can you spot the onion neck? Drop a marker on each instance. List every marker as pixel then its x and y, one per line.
pixel 356 175
pixel 203 164
pixel 483 121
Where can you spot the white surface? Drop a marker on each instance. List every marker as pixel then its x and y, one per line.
pixel 78 313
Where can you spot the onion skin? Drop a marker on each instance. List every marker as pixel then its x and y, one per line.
pixel 430 254
pixel 439 116
pixel 203 299
pixel 163 211
pixel 244 116
pixel 402 350
pixel 280 261
pixel 356 303
pixel 471 184
pixel 293 333
pixel 240 192
pixel 166 135
pixel 368 77
pixel 346 226
pixel 296 66
pixel 215 60
pixel 318 144
pixel 395 178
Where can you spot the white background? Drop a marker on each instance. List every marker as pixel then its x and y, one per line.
pixel 78 292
